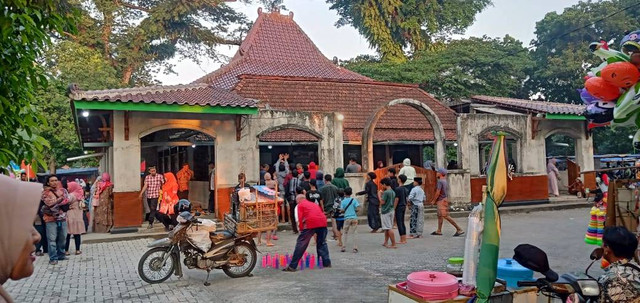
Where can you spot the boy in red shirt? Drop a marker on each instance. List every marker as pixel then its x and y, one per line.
pixel 311 221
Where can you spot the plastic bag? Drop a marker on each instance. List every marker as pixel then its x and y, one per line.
pixel 472 246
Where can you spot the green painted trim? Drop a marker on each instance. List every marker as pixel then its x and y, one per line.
pixel 564 117
pixel 155 107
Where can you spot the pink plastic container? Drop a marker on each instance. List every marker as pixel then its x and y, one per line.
pixel 432 285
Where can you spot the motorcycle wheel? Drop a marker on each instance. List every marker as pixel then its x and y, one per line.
pixel 247 267
pixel 150 268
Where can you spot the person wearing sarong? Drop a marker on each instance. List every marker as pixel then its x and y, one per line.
pixel 553 175
pixel 103 205
pixel 416 200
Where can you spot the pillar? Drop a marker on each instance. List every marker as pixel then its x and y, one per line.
pixel 584 153
pixel 126 157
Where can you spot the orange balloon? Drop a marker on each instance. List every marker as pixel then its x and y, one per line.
pixel 602 89
pixel 621 74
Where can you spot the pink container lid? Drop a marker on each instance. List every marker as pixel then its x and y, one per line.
pixel 433 282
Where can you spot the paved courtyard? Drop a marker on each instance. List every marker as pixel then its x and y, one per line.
pixel 106 272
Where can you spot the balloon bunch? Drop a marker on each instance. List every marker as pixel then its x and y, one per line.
pixel 612 89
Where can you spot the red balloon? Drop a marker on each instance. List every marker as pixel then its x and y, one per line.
pixel 602 89
pixel 621 74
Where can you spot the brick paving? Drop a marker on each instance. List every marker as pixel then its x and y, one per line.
pixel 107 272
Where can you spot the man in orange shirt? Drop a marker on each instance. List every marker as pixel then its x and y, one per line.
pixel 184 176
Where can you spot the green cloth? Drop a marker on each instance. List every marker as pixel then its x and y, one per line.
pixel 338 179
pixel 388 196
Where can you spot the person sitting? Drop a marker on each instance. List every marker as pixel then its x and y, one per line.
pixel 621 282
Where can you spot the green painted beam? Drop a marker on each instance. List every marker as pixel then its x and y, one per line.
pixel 155 107
pixel 565 117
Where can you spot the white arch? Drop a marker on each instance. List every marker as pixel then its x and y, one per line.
pixel 434 121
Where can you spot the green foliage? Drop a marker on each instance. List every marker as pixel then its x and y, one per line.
pixel 138 37
pixel 607 140
pixel 560 145
pixel 460 68
pixel 562 60
pixel 25 30
pixel 392 26
pixel 68 62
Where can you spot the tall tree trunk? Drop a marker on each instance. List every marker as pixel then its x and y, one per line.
pixel 126 75
pixel 52 164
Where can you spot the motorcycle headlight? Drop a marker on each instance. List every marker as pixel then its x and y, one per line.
pixel 589 288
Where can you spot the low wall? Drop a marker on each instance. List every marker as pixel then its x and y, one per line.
pixel 356 182
pixel 522 189
pixel 459 191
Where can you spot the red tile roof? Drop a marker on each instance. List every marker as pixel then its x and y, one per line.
pixel 191 94
pixel 356 100
pixel 531 106
pixel 277 46
pixel 288 135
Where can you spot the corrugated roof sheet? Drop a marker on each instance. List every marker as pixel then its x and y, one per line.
pixel 189 94
pixel 543 107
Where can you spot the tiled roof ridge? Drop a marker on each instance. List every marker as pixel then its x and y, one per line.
pixel 526 101
pixel 81 94
pixel 319 79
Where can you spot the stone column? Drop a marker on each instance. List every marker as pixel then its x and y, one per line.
pixel 126 157
pixel 584 153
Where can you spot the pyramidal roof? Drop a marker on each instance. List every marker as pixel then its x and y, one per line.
pixel 277 46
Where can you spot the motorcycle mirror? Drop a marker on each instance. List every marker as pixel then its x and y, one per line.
pixel 198 214
pixel 535 259
pixel 597 253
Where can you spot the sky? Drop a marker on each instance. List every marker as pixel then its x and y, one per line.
pixel 513 17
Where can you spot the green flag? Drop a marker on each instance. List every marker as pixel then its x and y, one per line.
pixel 490 246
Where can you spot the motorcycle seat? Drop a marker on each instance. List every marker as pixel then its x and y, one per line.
pixel 220 235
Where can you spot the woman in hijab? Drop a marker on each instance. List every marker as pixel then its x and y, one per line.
pixel 75 220
pixel 55 199
pixel 103 206
pixel 553 176
pixel 313 169
pixel 166 214
pixel 92 192
pixel 17 236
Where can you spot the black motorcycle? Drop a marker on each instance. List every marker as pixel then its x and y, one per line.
pixel 234 254
pixel 568 287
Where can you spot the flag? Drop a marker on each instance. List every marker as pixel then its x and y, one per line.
pixel 490 246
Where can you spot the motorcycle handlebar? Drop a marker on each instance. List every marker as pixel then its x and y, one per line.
pixel 527 283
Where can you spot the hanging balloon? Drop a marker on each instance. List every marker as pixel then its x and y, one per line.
pixel 621 74
pixel 602 89
pixel 586 97
pixel 601 117
pixel 627 110
pixel 631 42
pixel 602 50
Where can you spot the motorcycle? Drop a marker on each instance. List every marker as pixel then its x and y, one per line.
pixel 234 254
pixel 568 287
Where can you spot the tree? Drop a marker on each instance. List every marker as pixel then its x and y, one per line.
pixel 458 69
pixel 25 29
pixel 138 37
pixel 561 52
pixel 608 140
pixel 68 62
pixel 392 26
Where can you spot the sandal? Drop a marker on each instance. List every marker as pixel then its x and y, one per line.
pixel 355 250
pixel 270 244
pixel 435 233
pixel 78 252
pixel 343 249
pixel 458 233
pixel 289 269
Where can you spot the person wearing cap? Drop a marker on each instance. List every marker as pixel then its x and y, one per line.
pixel 440 199
pixel 621 281
pixel 416 201
pixel 311 221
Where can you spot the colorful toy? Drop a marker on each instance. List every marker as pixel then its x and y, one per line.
pixel 596 226
pixel 601 89
pixel 621 74
pixel 282 260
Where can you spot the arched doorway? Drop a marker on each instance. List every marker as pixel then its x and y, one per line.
pixel 561 145
pixel 301 144
pixel 513 144
pixel 368 161
pixel 170 148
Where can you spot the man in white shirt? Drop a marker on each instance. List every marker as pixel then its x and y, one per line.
pixel 212 189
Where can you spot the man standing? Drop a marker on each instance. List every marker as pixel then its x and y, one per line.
pixel 152 185
pixel 329 193
pixel 184 176
pixel 373 203
pixel 387 197
pixel 281 170
pixel 212 187
pixel 294 183
pixel 416 200
pixel 311 221
pixel 440 198
pixel 353 166
pixel 400 208
pixel 391 174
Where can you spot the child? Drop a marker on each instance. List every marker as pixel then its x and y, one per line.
pixel 416 201
pixel 387 199
pixel 337 219
pixel 314 194
pixel 349 208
